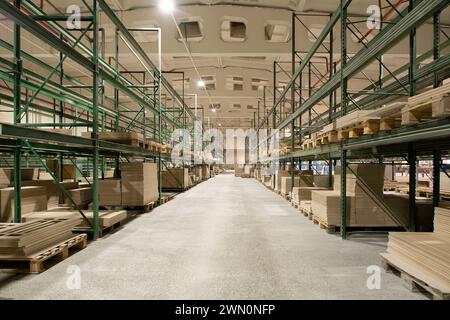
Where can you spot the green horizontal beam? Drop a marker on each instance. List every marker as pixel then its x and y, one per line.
pixel 26 22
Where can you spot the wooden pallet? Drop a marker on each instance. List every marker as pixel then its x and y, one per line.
pixel 306 212
pixel 36 262
pixel 106 230
pixel 428 105
pixel 295 204
pixel 411 282
pixel 323 225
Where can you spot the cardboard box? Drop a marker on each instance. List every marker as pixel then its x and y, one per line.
pixel 32 199
pixel 139 183
pixel 174 177
pixel 110 192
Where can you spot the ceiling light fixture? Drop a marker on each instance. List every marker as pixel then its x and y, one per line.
pixel 201 83
pixel 167 6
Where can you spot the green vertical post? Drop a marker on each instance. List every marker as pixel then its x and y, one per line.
pixel 294 17
pixel 17 106
pixel 310 93
pixel 330 69
pixel 412 55
pixel 437 43
pixel 95 158
pixel 116 98
pixel 330 173
pixel 343 58
pixel 437 160
pixel 343 202
pixel 412 160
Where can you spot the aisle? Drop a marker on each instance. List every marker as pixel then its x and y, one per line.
pixel 227 238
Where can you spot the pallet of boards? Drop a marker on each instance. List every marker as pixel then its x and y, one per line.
pixel 32 199
pixel 139 183
pixel 23 239
pixel 107 218
pixel 68 169
pixel 424 257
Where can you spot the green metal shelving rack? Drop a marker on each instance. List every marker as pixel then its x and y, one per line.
pixel 91 106
pixel 431 139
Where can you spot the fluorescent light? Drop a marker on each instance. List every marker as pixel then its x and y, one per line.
pixel 166 6
pixel 220 124
pixel 201 83
pixel 213 110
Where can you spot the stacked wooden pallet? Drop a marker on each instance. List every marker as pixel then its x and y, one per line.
pixel 18 240
pixel 428 105
pixel 304 193
pixel 423 258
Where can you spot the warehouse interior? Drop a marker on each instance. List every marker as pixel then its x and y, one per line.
pixel 214 149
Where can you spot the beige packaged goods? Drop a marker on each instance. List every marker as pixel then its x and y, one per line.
pixel 55 196
pixel 32 199
pixel 19 240
pixel 107 218
pixel 139 183
pixel 81 196
pixel 110 192
pixel 176 178
pixel 278 175
pixel 7 176
pixel 303 193
pixel 325 205
pixel 424 255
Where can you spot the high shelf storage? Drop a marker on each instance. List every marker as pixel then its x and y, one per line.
pixel 114 99
pixel 314 136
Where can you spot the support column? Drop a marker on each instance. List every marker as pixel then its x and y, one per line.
pixel 412 160
pixel 343 203
pixel 412 56
pixel 330 173
pixel 343 58
pixel 95 100
pixel 437 160
pixel 437 44
pixel 17 109
pixel 294 17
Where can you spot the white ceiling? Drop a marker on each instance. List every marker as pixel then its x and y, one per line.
pixel 251 59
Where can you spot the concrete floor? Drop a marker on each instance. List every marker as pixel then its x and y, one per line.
pixel 227 238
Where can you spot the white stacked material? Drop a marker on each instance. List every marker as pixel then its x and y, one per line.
pixel 278 175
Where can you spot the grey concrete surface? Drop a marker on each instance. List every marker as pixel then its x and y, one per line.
pixel 227 238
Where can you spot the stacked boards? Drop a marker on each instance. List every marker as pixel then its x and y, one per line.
pixel 107 218
pixel 424 256
pixel 176 178
pixel 32 199
pixel 19 240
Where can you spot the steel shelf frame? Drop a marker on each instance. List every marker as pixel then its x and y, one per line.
pixel 420 139
pixel 89 107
